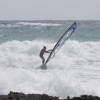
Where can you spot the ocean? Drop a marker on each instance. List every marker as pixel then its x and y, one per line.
pixel 74 71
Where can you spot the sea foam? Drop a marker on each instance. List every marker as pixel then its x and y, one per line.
pixel 74 70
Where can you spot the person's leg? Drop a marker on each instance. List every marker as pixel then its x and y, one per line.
pixel 43 60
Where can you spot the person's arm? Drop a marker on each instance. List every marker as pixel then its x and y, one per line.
pixel 49 51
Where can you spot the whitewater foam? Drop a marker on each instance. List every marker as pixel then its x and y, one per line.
pixel 38 24
pixel 19 24
pixel 73 71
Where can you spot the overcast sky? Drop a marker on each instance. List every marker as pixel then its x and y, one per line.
pixel 49 9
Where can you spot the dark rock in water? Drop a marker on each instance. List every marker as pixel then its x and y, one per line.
pixel 86 97
pixel 22 96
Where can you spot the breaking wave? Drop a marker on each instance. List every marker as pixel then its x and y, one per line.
pixel 19 24
pixel 73 71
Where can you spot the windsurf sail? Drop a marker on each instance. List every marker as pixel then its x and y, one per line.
pixel 65 36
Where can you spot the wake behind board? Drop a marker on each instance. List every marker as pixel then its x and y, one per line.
pixel 43 66
pixel 65 36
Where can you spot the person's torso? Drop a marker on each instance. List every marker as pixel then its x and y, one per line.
pixel 42 52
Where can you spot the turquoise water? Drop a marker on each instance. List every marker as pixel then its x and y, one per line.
pixel 47 30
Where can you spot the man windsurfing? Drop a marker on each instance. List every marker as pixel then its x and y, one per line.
pixel 43 50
